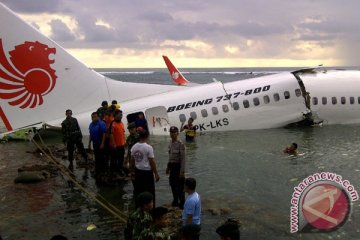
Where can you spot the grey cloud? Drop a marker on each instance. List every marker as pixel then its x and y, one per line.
pixel 60 31
pixel 333 27
pixel 92 32
pixel 156 16
pixel 314 37
pixel 276 26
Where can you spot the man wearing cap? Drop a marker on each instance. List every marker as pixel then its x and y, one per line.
pixel 229 230
pixel 176 168
pixel 115 104
pixel 102 110
pixel 141 219
pixel 157 229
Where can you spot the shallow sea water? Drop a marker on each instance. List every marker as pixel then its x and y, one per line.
pixel 244 171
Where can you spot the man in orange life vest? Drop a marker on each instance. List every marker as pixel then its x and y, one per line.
pixel 117 144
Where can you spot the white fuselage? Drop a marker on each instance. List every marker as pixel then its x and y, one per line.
pixel 265 102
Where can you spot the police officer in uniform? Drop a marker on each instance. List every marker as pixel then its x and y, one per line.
pixel 176 168
pixel 72 136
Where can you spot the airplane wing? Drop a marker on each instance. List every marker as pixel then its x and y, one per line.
pixel 175 73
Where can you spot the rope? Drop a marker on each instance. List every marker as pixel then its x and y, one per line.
pixel 94 196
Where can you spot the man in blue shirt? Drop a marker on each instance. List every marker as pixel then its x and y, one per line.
pixel 97 131
pixel 192 207
pixel 140 121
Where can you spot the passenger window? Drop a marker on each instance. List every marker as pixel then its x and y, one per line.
pixel 286 94
pixel 352 100
pixel 236 106
pixel 266 99
pixel 297 92
pixel 358 100
pixel 246 104
pixel 193 115
pixel 182 118
pixel 343 100
pixel 315 101
pixel 276 97
pixel 256 101
pixel 334 100
pixel 324 100
pixel 225 108
pixel 204 113
pixel 214 110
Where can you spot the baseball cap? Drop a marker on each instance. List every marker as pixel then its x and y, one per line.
pixel 131 125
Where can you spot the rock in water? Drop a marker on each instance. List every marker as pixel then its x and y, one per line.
pixel 29 177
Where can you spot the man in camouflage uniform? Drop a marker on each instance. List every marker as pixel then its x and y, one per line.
pixel 72 136
pixel 141 219
pixel 131 140
pixel 157 230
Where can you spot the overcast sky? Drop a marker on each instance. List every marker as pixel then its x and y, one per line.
pixel 194 33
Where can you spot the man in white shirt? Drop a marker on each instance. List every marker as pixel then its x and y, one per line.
pixel 143 166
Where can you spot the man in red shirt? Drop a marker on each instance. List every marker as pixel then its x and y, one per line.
pixel 117 144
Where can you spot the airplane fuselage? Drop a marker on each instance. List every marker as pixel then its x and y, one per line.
pixel 259 103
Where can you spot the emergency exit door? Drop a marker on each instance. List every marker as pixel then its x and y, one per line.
pixel 158 120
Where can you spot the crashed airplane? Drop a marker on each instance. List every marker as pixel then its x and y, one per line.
pixel 39 80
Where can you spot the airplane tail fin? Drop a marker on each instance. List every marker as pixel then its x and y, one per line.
pixel 39 79
pixel 175 73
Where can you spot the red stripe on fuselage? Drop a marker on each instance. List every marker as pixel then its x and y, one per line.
pixel 5 120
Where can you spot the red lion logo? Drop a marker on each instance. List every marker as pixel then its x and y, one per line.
pixel 28 77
